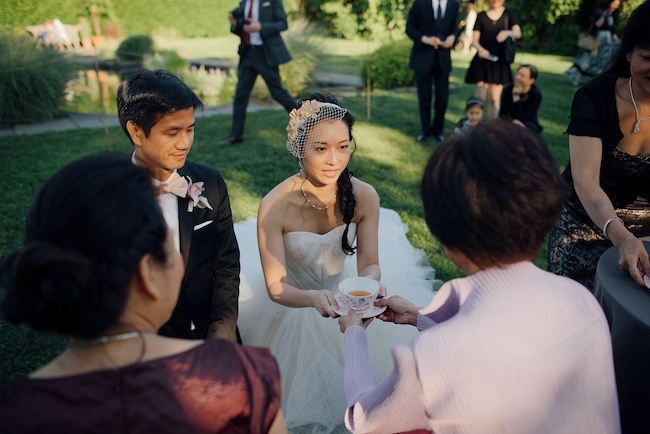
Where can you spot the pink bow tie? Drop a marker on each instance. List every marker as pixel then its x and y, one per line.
pixel 176 184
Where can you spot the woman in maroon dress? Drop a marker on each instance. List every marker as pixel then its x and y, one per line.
pixel 99 266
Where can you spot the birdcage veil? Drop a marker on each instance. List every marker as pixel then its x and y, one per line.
pixel 308 123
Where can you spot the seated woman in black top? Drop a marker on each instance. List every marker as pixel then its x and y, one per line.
pixel 520 102
pixel 608 177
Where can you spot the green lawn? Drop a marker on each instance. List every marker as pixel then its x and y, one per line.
pixel 387 156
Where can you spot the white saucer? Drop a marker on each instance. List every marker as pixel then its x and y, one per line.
pixel 368 312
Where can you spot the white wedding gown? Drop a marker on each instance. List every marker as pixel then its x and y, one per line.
pixel 309 348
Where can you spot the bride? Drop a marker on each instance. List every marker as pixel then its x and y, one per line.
pixel 308 227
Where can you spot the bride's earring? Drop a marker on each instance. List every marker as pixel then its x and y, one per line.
pixel 300 164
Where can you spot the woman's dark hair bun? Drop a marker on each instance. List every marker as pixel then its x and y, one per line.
pixel 49 285
pixel 89 226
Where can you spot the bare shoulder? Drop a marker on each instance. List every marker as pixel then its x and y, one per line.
pixel 364 192
pixel 366 196
pixel 276 203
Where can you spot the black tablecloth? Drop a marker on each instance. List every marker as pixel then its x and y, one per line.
pixel 627 307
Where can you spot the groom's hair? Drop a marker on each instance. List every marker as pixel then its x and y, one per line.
pixel 145 96
pixel 492 193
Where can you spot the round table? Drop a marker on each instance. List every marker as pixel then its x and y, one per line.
pixel 627 308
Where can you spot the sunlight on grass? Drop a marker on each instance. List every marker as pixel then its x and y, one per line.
pixel 387 157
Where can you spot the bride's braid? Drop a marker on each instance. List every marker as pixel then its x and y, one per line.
pixel 348 205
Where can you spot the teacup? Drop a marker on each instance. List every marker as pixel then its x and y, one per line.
pixel 359 293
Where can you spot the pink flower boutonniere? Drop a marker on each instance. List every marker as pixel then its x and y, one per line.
pixel 194 190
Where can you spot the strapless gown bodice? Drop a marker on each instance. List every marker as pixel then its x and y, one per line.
pixel 315 261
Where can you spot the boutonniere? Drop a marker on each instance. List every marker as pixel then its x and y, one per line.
pixel 194 190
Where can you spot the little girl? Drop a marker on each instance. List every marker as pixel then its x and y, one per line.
pixel 473 115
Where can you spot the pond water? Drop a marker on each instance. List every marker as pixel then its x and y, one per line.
pixel 95 91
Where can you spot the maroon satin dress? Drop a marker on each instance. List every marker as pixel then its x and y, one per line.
pixel 216 387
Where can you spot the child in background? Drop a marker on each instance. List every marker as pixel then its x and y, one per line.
pixel 473 115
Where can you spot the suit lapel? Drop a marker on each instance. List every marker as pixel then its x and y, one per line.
pixel 428 10
pixel 185 222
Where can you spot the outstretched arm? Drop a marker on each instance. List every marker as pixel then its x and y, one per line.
pixel 586 159
pixel 368 232
pixel 271 245
pixel 394 405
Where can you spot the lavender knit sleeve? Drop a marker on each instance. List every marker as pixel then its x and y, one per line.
pixel 396 404
pixel 424 322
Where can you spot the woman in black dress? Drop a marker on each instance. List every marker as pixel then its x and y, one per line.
pixel 608 178
pixel 488 69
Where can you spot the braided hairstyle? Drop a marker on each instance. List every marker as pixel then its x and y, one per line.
pixel 347 202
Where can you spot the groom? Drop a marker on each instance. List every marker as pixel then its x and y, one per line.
pixel 156 111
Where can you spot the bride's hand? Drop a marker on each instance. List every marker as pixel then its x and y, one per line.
pixel 325 303
pixel 382 290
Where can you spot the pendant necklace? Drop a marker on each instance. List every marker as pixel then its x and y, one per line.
pixel 636 111
pixel 104 339
pixel 318 208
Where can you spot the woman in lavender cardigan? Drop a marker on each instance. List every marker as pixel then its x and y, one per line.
pixel 510 347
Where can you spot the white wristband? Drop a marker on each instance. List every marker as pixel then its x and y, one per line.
pixel 607 224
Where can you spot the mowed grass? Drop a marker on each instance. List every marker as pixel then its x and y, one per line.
pixel 387 156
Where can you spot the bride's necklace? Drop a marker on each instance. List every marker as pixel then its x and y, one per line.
pixel 636 111
pixel 104 339
pixel 318 208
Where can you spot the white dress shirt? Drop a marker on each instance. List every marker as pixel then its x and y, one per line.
pixel 256 37
pixel 169 205
pixel 443 6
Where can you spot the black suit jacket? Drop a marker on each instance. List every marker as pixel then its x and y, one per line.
pixel 524 110
pixel 421 22
pixel 207 304
pixel 273 20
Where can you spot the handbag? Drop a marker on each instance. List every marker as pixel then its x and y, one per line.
pixel 509 50
pixel 588 42
pixel 509 46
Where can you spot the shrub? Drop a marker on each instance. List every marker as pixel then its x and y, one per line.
pixel 340 20
pixel 33 79
pixel 303 41
pixel 206 83
pixel 168 60
pixel 389 66
pixel 135 48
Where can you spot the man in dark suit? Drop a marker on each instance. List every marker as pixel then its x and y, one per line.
pixel 258 23
pixel 433 27
pixel 156 111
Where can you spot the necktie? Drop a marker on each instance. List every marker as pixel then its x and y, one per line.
pixel 439 11
pixel 249 16
pixel 176 184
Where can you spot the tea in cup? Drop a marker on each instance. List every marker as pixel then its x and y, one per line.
pixel 359 293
